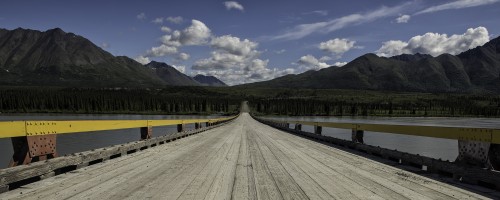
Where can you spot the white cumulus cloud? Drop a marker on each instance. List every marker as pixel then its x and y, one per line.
pixel 161 50
pixel 158 20
pixel 337 46
pixel 459 4
pixel 339 64
pixel 234 45
pixel 309 62
pixel 141 16
pixel 143 60
pixel 183 56
pixel 175 20
pixel 403 19
pixel 233 5
pixel 165 29
pixel 180 68
pixel 436 44
pixel 235 61
pixel 325 58
pixel 196 34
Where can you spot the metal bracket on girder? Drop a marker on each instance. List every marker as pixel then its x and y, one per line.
pixel 475 148
pixel 33 148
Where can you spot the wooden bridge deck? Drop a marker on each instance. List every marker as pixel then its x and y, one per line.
pixel 242 160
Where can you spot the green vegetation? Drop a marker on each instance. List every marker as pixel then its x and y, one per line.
pixel 309 102
pixel 263 101
pixel 179 100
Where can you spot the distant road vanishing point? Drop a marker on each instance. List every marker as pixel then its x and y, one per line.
pixel 241 160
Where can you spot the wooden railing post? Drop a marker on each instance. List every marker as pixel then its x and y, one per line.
pixel 298 127
pixel 146 132
pixel 357 136
pixel 181 127
pixel 494 156
pixel 318 129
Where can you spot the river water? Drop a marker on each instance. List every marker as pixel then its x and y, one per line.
pixel 432 147
pixel 78 142
pixel 444 149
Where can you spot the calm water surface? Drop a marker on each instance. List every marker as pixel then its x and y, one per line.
pixel 78 142
pixel 432 147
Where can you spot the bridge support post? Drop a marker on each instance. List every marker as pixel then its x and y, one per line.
pixel 483 154
pixel 33 148
pixel 318 129
pixel 181 127
pixel 197 125
pixel 146 132
pixel 494 156
pixel 357 136
pixel 298 127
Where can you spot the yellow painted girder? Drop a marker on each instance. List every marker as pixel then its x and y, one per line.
pixel 32 128
pixel 12 129
pixel 456 133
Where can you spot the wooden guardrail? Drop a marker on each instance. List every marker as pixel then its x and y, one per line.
pixel 456 133
pixel 35 140
pixel 477 146
pixel 482 171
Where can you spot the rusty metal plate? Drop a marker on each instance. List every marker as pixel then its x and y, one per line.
pixel 41 145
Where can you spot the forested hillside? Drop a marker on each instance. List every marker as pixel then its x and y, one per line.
pixel 167 101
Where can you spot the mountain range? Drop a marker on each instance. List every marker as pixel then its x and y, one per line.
pixel 56 58
pixel 475 70
pixel 208 80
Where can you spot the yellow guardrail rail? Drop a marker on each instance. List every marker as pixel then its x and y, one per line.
pixel 457 133
pixel 9 129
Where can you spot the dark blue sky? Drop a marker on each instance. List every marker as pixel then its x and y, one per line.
pixel 252 40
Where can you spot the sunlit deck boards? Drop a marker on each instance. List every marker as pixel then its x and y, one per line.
pixel 242 160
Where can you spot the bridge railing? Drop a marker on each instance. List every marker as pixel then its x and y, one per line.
pixel 35 140
pixel 478 146
pixel 456 133
pixel 478 162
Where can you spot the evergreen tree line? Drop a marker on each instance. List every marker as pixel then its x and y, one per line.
pixel 113 101
pixel 448 106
